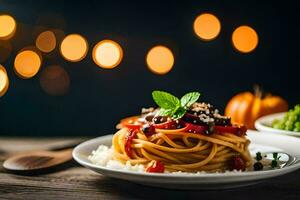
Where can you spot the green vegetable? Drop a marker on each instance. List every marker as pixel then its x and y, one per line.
pixel 258 156
pixel 290 122
pixel 171 105
pixel 274 163
pixel 275 160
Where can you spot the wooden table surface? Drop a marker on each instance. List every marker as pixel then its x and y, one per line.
pixel 77 182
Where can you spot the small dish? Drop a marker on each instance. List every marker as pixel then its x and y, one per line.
pixel 265 124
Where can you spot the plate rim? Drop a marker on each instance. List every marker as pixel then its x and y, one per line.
pixel 266 174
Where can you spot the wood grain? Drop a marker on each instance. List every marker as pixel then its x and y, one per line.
pixel 80 183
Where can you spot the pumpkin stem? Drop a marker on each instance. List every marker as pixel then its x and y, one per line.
pixel 258 92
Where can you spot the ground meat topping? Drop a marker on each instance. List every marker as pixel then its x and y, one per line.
pixel 206 114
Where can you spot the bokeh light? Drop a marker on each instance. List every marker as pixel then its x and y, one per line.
pixel 160 59
pixel 74 47
pixel 245 39
pixel 54 80
pixel 46 41
pixel 27 63
pixel 207 26
pixel 107 54
pixel 4 81
pixel 8 27
pixel 5 50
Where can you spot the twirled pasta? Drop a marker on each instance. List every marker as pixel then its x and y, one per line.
pixel 182 151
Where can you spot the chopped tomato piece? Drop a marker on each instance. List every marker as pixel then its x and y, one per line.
pixel 155 166
pixel 234 129
pixel 133 126
pixel 131 122
pixel 192 128
pixel 128 142
pixel 237 163
pixel 172 124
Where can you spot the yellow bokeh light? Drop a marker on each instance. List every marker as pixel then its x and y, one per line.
pixel 8 27
pixel 207 26
pixel 46 41
pixel 74 47
pixel 27 63
pixel 54 80
pixel 160 59
pixel 4 81
pixel 245 39
pixel 107 54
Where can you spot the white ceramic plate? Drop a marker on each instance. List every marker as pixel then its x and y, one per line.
pixel 265 124
pixel 263 142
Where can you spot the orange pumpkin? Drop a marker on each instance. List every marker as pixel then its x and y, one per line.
pixel 246 107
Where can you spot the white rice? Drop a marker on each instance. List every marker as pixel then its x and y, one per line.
pixel 103 156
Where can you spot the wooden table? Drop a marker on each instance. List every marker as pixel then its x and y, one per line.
pixel 77 182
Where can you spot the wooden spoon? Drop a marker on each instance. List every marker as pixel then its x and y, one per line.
pixel 37 161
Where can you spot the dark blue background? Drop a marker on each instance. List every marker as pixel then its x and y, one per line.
pixel 98 98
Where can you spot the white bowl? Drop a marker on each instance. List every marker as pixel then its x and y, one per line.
pixel 263 142
pixel 265 124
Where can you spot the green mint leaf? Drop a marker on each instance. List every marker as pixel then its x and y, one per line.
pixel 275 155
pixel 165 112
pixel 165 100
pixel 179 113
pixel 188 99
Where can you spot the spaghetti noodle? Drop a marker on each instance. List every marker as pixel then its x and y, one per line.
pixel 182 151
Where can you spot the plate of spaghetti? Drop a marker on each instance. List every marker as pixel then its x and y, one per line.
pixel 186 144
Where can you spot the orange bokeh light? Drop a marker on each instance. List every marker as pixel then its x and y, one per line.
pixel 107 54
pixel 4 81
pixel 54 80
pixel 27 63
pixel 8 27
pixel 160 59
pixel 245 39
pixel 207 26
pixel 46 41
pixel 74 47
